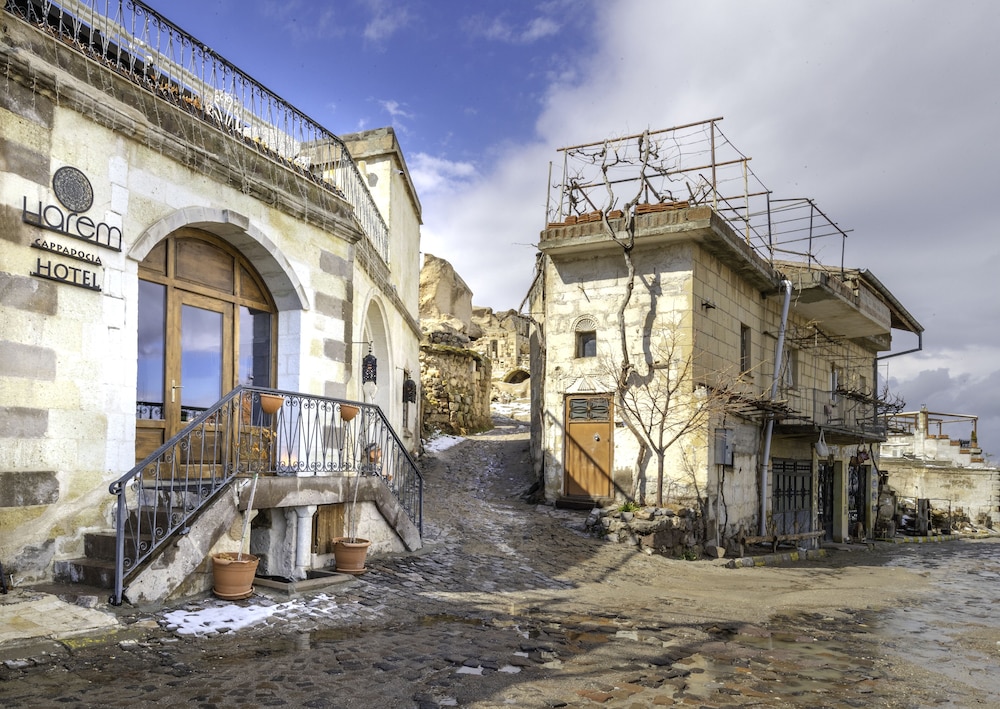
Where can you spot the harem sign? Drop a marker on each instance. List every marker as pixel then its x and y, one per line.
pixel 73 190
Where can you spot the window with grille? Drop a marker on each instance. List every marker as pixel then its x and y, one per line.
pixel 792 485
pixel 745 363
pixel 593 408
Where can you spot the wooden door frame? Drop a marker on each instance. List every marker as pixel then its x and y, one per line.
pixel 610 427
pixel 174 350
pixel 160 266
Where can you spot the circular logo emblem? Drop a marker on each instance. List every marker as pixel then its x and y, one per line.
pixel 73 189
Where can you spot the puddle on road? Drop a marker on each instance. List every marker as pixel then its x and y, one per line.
pixel 956 631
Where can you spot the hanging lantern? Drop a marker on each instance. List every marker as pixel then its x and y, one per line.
pixel 409 391
pixel 368 366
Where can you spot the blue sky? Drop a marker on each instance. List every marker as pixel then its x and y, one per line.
pixel 886 113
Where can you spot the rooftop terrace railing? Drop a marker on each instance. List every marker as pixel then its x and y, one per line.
pixel 142 45
pixel 690 165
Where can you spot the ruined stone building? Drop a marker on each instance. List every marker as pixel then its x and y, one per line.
pixel 180 243
pixel 454 377
pixel 691 352
pixel 936 456
pixel 504 340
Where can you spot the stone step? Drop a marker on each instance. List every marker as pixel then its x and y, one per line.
pixel 91 572
pixel 101 546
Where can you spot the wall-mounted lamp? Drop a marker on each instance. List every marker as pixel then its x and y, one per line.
pixel 409 387
pixel 369 365
pixel 409 391
pixel 708 305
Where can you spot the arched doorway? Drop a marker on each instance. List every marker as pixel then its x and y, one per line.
pixel 206 324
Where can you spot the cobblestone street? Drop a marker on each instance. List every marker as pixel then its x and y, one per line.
pixel 510 604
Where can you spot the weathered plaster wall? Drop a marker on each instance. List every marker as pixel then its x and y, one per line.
pixel 974 490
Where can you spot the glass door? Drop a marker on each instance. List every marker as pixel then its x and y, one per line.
pixel 185 361
pixel 203 358
pixel 205 324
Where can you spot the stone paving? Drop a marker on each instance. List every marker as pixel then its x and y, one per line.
pixel 491 614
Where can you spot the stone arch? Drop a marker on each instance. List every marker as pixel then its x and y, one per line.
pixel 236 229
pixel 516 376
pixel 375 331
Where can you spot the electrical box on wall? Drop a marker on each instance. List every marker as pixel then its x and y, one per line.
pixel 723 446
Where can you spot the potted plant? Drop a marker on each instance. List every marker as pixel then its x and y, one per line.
pixel 233 572
pixel 349 552
pixel 271 403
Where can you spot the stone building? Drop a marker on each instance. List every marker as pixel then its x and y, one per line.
pixel 936 456
pixel 454 377
pixel 505 342
pixel 678 362
pixel 178 242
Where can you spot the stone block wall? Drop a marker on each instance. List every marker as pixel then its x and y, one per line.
pixel 455 390
pixel 677 533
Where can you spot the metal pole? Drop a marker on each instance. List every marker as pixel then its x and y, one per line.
pixel 769 429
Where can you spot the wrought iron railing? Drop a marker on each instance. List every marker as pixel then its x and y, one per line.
pixel 143 46
pixel 836 410
pixel 239 437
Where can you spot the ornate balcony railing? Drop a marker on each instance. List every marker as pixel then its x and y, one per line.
pixel 237 438
pixel 143 46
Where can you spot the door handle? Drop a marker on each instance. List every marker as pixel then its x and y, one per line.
pixel 174 386
pixel 597 437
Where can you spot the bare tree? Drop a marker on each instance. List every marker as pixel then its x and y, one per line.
pixel 660 401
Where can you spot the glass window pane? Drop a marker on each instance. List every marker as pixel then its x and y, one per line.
pixel 152 322
pixel 201 358
pixel 255 347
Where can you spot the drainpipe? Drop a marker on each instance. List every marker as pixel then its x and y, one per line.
pixel 765 463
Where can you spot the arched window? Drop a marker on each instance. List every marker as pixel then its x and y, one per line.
pixel 586 337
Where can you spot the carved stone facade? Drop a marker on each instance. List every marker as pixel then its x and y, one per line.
pixel 937 457
pixel 166 204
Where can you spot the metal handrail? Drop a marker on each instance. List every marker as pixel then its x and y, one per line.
pixel 141 45
pixel 235 439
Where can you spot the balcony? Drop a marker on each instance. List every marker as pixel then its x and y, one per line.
pixel 841 302
pixel 844 417
pixel 138 44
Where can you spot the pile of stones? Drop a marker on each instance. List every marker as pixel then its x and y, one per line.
pixel 678 533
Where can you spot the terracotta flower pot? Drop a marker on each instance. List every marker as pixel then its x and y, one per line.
pixel 347 412
pixel 270 403
pixel 349 556
pixel 233 575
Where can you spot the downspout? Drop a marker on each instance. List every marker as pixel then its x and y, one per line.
pixel 765 463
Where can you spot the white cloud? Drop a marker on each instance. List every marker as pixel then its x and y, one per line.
pixel 386 20
pixel 539 28
pixel 500 29
pixel 395 109
pixel 433 175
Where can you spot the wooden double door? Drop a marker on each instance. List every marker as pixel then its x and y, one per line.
pixel 206 324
